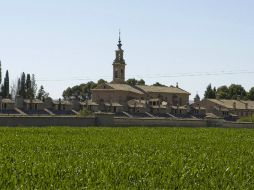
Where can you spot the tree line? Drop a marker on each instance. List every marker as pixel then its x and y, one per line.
pixel 25 86
pixel 233 92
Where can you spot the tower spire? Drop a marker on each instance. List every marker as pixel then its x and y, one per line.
pixel 119 64
pixel 119 41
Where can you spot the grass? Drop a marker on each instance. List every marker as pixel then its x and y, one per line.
pixel 126 158
pixel 247 119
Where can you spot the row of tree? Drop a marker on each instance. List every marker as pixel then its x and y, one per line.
pixel 25 86
pixel 234 91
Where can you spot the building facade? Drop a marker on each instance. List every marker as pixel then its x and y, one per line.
pixel 119 96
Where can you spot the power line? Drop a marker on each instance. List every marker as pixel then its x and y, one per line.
pixel 149 76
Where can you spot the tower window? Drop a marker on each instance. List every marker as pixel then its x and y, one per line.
pixel 122 71
pixel 116 74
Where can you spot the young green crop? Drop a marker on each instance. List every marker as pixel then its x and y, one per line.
pixel 126 158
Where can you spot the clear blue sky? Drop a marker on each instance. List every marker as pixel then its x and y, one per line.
pixel 70 42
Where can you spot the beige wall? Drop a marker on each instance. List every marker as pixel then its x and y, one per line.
pixel 7 106
pixel 33 106
pixel 210 109
pixel 62 107
pixel 114 96
pixel 173 99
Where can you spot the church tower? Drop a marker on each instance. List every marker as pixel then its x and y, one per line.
pixel 119 65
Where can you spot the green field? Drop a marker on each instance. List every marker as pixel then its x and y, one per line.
pixel 121 158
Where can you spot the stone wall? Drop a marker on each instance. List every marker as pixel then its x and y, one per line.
pixel 153 122
pixel 159 122
pixel 46 121
pixel 110 121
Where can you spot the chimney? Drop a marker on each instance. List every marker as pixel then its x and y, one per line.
pixel 246 105
pixel 234 105
pixel 238 97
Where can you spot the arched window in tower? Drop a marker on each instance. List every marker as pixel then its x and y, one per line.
pixel 122 72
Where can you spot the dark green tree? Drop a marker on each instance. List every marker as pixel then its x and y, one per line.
pixel 196 98
pixel 132 82
pixel 222 92
pixel 6 86
pixel 159 84
pixel 18 87
pixel 101 81
pixel 141 82
pixel 210 92
pixel 42 95
pixel 236 90
pixel 251 94
pixel 22 91
pixel 29 92
pixel 82 91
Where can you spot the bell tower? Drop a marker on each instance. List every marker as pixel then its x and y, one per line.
pixel 119 64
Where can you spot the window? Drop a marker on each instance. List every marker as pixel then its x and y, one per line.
pixel 116 74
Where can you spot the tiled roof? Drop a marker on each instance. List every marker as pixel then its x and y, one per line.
pixel 211 115
pixel 116 105
pixel 180 107
pixel 161 89
pixel 250 103
pixel 197 108
pixel 8 101
pixel 229 104
pixel 63 102
pixel 34 101
pixel 159 107
pixel 113 104
pixel 124 87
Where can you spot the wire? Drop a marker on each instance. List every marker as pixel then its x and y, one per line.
pixel 148 76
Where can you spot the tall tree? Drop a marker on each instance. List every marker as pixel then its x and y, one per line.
pixel 6 85
pixel 210 92
pixel 23 85
pixel 196 98
pixel 33 86
pixel 29 93
pixel 18 87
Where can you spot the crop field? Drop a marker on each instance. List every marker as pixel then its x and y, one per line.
pixel 126 158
